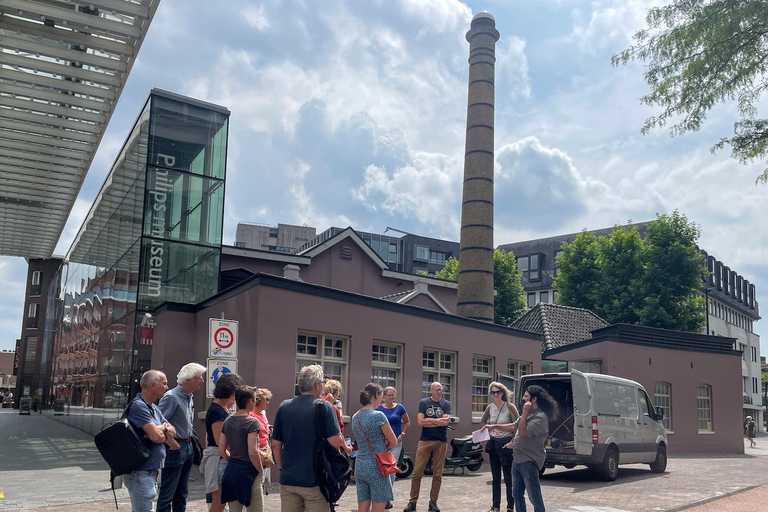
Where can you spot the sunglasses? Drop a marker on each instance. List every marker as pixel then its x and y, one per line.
pixel 495 392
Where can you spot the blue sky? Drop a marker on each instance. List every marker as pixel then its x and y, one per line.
pixel 353 113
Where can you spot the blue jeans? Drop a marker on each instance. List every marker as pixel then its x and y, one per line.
pixel 395 450
pixel 175 479
pixel 142 488
pixel 525 475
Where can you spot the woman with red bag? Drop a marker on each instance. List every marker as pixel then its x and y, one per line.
pixel 374 435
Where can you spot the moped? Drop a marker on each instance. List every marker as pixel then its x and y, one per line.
pixel 465 453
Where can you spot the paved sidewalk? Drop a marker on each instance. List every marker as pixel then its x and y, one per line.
pixel 46 466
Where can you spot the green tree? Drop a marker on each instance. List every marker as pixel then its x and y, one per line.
pixel 704 52
pixel 623 278
pixel 509 302
pixel 617 298
pixel 673 270
pixel 578 274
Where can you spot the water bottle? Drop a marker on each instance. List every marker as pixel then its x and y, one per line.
pixel 349 441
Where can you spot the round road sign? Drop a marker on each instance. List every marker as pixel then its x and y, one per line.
pixel 223 337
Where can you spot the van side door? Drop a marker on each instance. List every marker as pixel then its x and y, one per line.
pixel 582 413
pixel 651 428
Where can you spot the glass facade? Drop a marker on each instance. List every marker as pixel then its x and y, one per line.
pixel 153 235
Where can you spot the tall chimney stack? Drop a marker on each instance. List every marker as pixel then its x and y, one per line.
pixel 475 294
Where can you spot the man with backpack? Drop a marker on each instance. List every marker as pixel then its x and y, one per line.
pixel 294 442
pixel 145 417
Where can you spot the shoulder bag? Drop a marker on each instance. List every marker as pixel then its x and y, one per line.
pixel 332 467
pixel 385 460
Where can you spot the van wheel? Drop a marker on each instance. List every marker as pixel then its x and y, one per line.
pixel 609 469
pixel 660 464
pixel 405 469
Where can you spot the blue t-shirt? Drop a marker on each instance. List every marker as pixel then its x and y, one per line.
pixel 139 414
pixel 372 421
pixel 394 416
pixel 215 414
pixel 295 427
pixel 434 410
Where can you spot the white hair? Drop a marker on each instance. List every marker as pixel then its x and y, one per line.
pixel 189 371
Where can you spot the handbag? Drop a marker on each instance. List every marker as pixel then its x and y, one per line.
pixel 197 448
pixel 266 457
pixel 386 461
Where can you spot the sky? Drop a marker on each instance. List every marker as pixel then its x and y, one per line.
pixel 353 113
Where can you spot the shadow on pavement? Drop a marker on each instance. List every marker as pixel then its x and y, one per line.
pixel 37 442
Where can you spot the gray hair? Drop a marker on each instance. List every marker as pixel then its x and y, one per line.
pixel 309 376
pixel 150 376
pixel 390 388
pixel 189 371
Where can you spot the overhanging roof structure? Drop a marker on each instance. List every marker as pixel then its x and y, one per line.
pixel 63 66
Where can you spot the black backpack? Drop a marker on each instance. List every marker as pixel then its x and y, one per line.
pixel 332 467
pixel 122 447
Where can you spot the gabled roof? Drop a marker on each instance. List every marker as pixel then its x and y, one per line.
pixel 406 296
pixel 559 325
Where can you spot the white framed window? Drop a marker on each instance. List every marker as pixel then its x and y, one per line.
pixel 386 363
pixel 662 397
pixel 33 309
pixel 531 299
pixel 331 351
pixel 517 369
pixel 704 407
pixel 544 297
pixel 37 277
pixel 482 376
pixel 438 366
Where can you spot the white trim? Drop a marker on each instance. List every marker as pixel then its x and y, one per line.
pixel 257 254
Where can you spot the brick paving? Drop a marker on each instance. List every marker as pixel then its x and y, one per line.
pixel 46 466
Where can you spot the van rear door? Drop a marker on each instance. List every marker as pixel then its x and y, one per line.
pixel 582 413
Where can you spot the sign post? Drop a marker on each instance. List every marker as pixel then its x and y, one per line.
pixel 222 350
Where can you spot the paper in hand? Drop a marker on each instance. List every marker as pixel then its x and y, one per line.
pixel 481 435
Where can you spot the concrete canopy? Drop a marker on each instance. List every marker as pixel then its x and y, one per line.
pixel 63 66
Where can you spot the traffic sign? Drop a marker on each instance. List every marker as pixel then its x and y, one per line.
pixel 222 338
pixel 217 368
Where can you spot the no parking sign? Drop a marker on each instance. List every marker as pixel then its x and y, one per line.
pixel 222 338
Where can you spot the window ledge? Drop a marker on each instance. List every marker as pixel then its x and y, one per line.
pixel 706 432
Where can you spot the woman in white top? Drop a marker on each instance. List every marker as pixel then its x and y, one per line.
pixel 499 447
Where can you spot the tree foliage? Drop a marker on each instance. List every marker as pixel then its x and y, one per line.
pixel 701 53
pixel 626 279
pixel 509 302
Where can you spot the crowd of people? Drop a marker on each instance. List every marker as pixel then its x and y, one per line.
pixel 239 453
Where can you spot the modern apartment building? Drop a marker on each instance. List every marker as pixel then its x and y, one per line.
pixel 281 238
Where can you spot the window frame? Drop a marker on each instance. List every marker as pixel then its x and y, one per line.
pixel 304 359
pixel 397 366
pixel 659 399
pixel 481 380
pixel 704 409
pixel 440 373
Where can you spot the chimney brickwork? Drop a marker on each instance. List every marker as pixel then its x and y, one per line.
pixel 475 290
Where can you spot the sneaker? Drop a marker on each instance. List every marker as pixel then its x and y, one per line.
pixel 494 509
pixel 388 505
pixel 433 507
pixel 410 507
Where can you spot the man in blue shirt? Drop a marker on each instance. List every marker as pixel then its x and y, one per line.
pixel 178 406
pixel 433 418
pixel 294 439
pixel 145 417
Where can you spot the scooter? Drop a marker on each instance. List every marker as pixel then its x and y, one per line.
pixel 465 454
pixel 405 465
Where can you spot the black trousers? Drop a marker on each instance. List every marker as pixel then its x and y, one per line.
pixel 497 469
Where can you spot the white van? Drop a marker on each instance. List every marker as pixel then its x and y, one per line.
pixel 603 421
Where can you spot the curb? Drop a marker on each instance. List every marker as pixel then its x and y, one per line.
pixel 689 506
